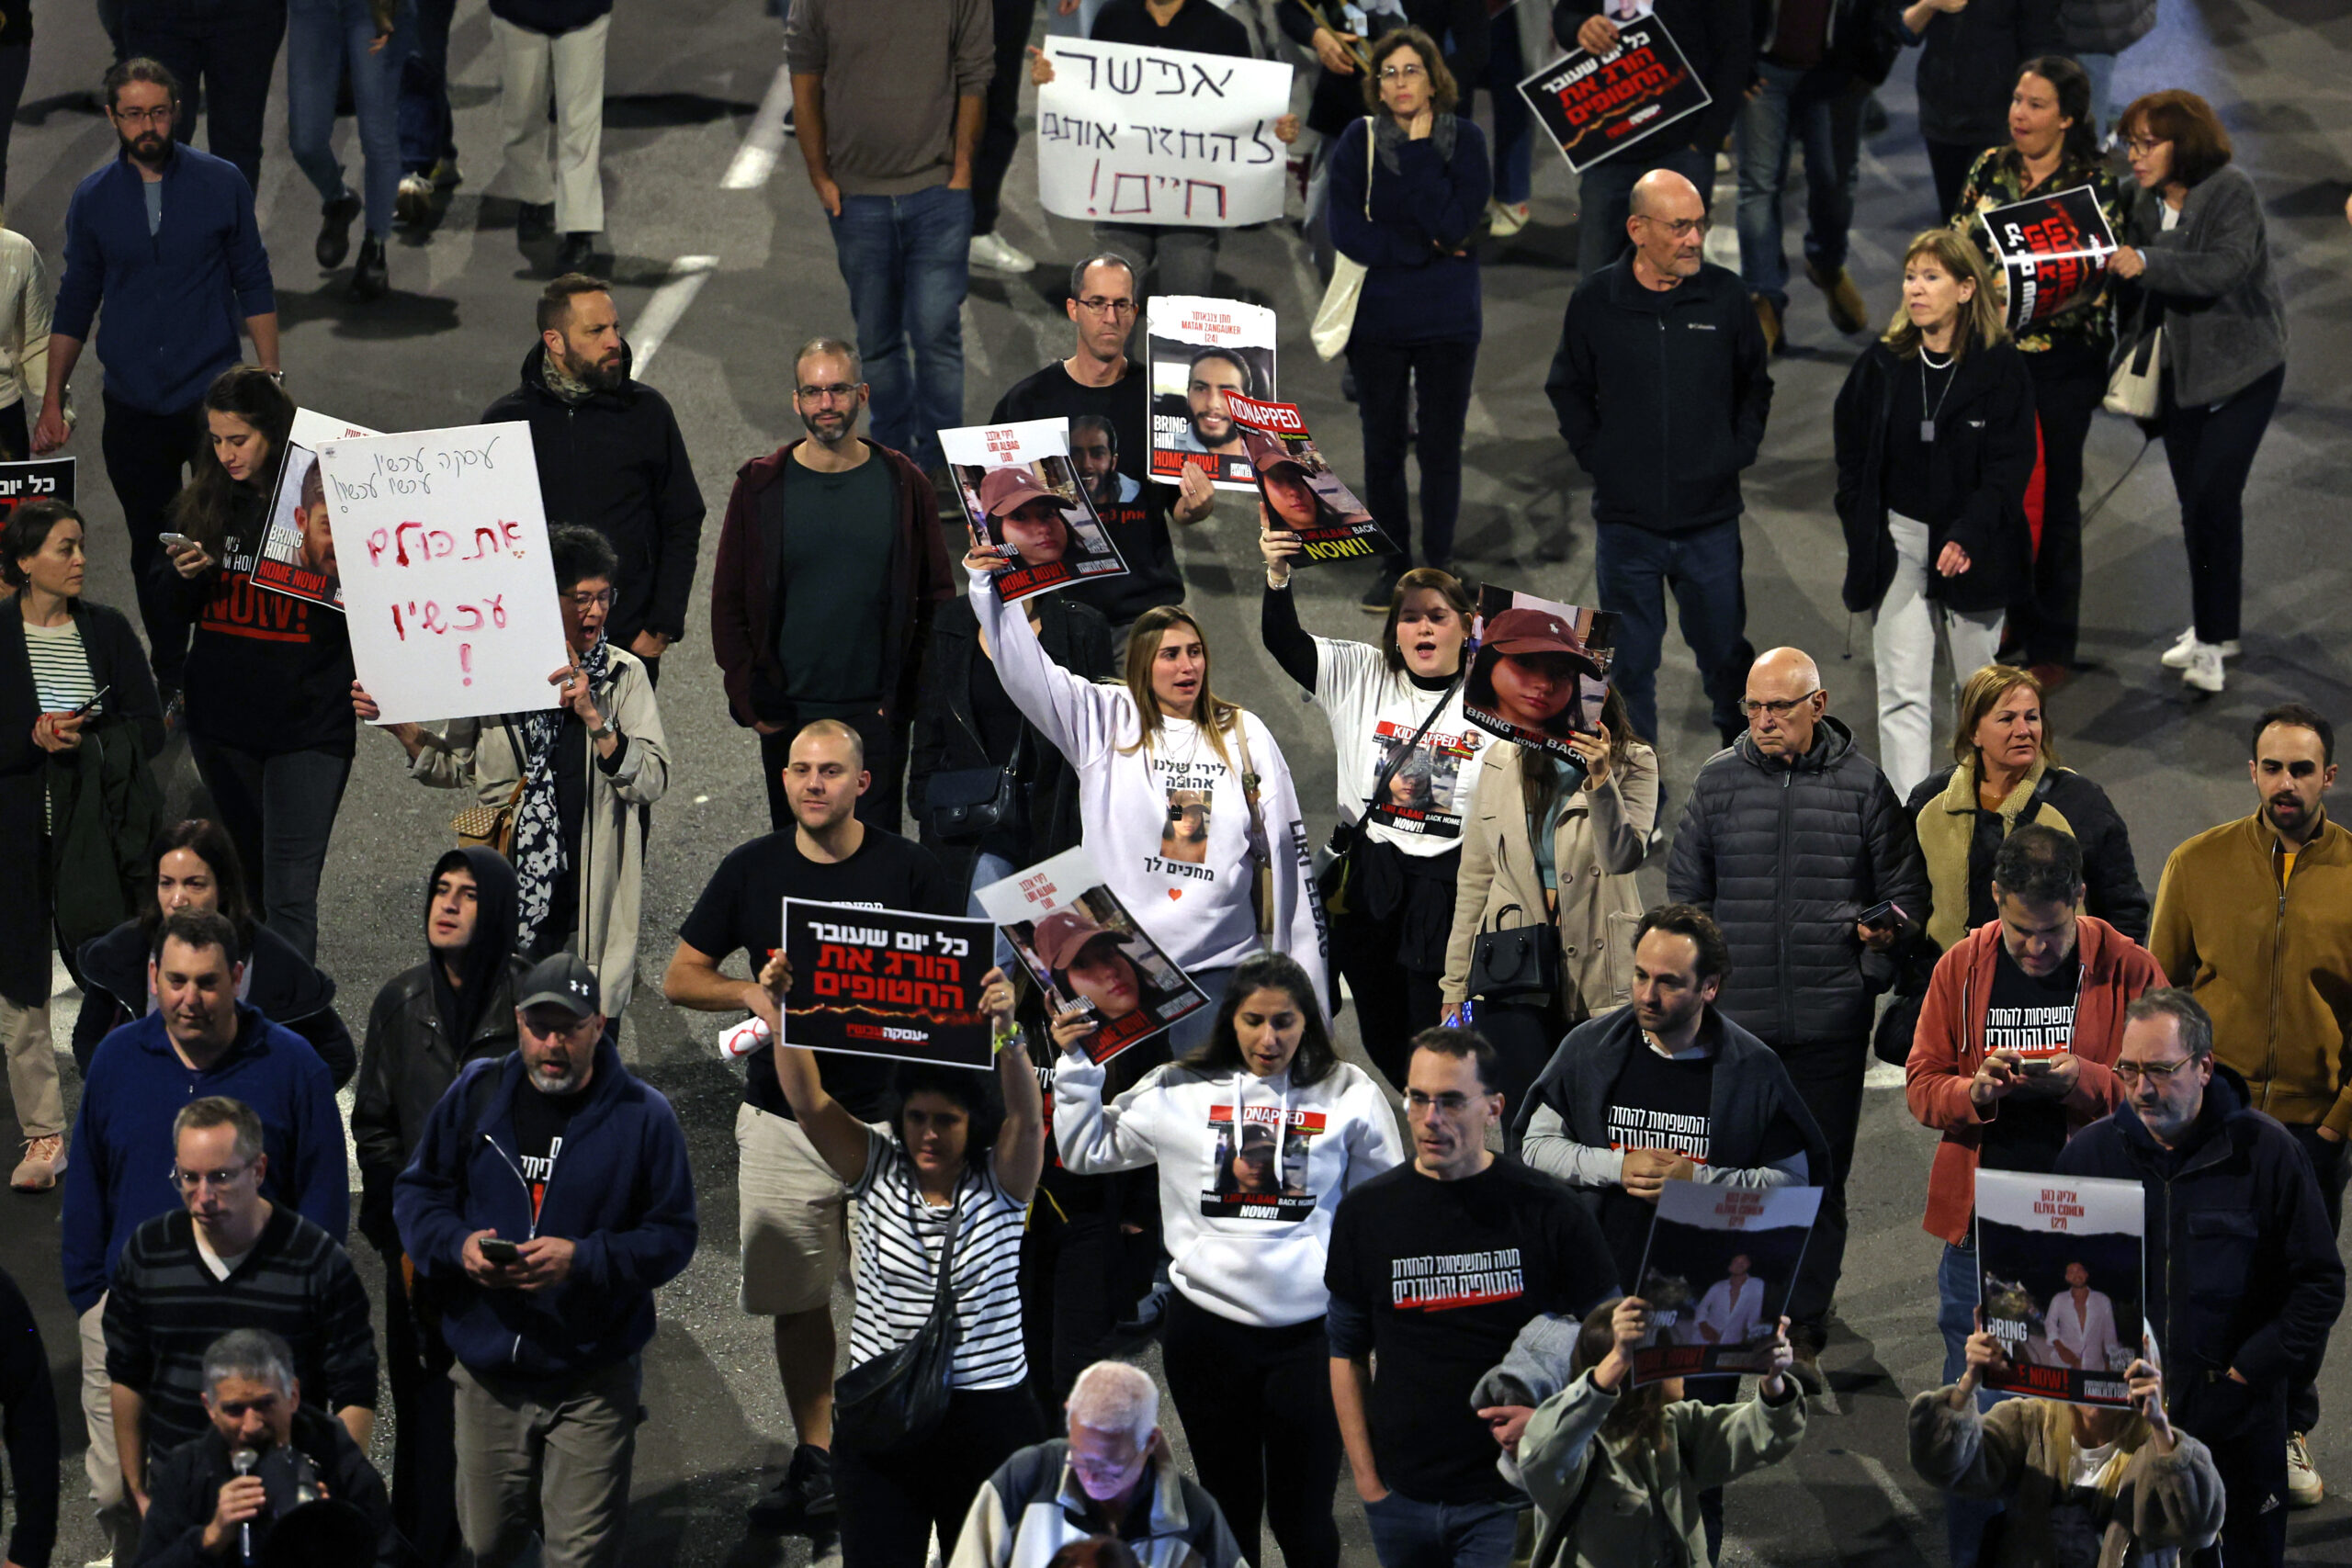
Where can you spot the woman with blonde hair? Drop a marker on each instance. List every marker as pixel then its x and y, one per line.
pixel 1935 441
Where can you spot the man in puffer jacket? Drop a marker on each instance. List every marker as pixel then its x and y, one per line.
pixel 1790 834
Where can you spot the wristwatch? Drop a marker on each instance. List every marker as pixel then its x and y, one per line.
pixel 603 733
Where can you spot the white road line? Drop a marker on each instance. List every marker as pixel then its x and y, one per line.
pixel 654 324
pixel 755 160
pixel 1904 1508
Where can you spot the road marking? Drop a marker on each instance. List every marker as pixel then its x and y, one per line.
pixel 687 275
pixel 1904 1508
pixel 763 143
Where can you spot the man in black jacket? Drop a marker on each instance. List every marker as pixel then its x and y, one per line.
pixel 1789 835
pixel 611 459
pixel 1673 339
pixel 2244 1281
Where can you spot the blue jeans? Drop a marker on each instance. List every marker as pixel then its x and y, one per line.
pixel 1606 193
pixel 988 868
pixel 907 260
pixel 1409 1534
pixel 1965 1518
pixel 427 134
pixel 325 38
pixel 1514 127
pixel 1703 569
pixel 1822 108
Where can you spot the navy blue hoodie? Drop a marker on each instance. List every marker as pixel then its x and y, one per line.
pixel 625 1202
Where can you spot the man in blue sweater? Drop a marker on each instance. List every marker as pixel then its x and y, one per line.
pixel 200 1041
pixel 174 293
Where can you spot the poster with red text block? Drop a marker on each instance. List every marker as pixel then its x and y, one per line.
pixel 2061 1282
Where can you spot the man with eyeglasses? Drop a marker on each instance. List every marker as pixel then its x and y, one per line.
pixel 2243 1279
pixel 199 1041
pixel 611 458
pixel 1670 337
pixel 1790 836
pixel 228 1258
pixel 1433 1268
pixel 1098 386
pixel 549 1198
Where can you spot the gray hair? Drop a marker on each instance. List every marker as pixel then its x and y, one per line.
pixel 2188 1016
pixel 1112 1396
pixel 1102 258
pixel 220 1110
pixel 830 345
pixel 250 1353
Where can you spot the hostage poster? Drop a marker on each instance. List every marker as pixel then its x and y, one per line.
pixel 1299 489
pixel 886 983
pixel 2053 251
pixel 1541 671
pixel 1201 350
pixel 1022 495
pixel 1085 949
pixel 2061 1282
pixel 1716 1274
pixel 297 555
pixel 1596 105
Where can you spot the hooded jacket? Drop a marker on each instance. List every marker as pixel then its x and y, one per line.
pixel 1959 839
pixel 1034 1506
pixel 1784 858
pixel 282 986
pixel 614 461
pixel 625 1202
pixel 412 1058
pixel 184 1490
pixel 1949 1047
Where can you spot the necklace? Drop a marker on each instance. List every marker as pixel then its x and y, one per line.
pixel 1928 418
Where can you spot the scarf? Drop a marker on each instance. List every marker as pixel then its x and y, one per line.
pixel 1388 137
pixel 460 1005
pixel 561 382
pixel 541 857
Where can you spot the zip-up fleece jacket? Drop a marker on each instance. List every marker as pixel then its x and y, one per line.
pixel 621 1192
pixel 1267 1273
pixel 1662 395
pixel 1949 1047
pixel 2271 962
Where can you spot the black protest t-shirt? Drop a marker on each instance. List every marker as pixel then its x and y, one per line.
pixel 2035 1016
pixel 1661 1103
pixel 1449 1272
pixel 1137 519
pixel 541 1122
pixel 741 910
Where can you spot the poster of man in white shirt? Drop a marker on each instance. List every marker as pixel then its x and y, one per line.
pixel 2081 1325
pixel 1733 1309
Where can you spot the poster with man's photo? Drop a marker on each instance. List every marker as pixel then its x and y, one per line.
pixel 42 479
pixel 297 554
pixel 2060 1281
pixel 1085 949
pixel 1596 105
pixel 888 983
pixel 1300 492
pixel 2054 249
pixel 1024 495
pixel 1541 671
pixel 1716 1274
pixel 1199 351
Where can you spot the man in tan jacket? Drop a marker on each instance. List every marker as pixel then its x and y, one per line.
pixel 2255 918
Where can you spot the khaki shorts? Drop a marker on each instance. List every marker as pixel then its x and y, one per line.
pixel 795 1216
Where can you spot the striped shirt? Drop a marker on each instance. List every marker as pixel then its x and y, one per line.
pixel 61 678
pixel 165 1307
pixel 898 1237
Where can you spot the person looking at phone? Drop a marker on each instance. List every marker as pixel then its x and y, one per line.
pixel 548 1199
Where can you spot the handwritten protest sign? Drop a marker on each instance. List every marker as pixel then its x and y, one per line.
pixel 44 479
pixel 297 555
pixel 888 983
pixel 1133 135
pixel 2062 1280
pixel 1598 105
pixel 443 546
pixel 2054 250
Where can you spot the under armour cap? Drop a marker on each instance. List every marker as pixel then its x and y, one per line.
pixel 564 980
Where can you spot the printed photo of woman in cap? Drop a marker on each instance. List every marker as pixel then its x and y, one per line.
pixel 1300 494
pixel 1530 673
pixel 1094 965
pixel 1026 517
pixel 1185 835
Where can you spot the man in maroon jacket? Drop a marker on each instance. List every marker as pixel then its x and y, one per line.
pixel 829 561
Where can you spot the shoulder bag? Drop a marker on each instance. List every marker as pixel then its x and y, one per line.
pixel 494 825
pixel 966 804
pixel 1331 878
pixel 897 1400
pixel 1508 962
pixel 2136 388
pixel 1335 319
pixel 1262 852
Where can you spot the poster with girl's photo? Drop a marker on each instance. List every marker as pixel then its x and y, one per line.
pixel 2061 1282
pixel 297 554
pixel 1301 493
pixel 1199 350
pixel 1021 493
pixel 1084 950
pixel 1716 1274
pixel 1541 671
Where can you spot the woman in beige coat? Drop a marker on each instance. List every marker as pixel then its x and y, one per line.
pixel 1583 887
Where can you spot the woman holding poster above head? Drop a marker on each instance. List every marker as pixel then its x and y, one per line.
pixel 559 791
pixel 268 676
pixel 1410 184
pixel 1184 797
pixel 1257 1136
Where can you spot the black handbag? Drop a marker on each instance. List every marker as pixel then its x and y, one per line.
pixel 1332 869
pixel 895 1401
pixel 1509 962
pixel 966 804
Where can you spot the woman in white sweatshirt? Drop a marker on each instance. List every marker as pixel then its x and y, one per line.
pixel 1257 1134
pixel 1181 795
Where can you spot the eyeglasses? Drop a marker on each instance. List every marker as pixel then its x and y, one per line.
pixel 2143 144
pixel 1781 709
pixel 1405 72
pixel 189 1180
pixel 1450 1103
pixel 1101 307
pixel 160 116
pixel 2156 1072
pixel 838 393
pixel 602 601
pixel 1681 227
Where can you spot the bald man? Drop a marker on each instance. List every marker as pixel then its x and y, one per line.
pixel 1673 338
pixel 1789 835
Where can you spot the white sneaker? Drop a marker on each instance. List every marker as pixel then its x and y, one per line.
pixel 2304 1487
pixel 2177 656
pixel 1000 255
pixel 1506 219
pixel 2204 670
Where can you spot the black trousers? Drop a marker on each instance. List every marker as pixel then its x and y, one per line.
pixel 883 803
pixel 891 1503
pixel 2330 1165
pixel 1001 123
pixel 1828 1078
pixel 1525 1034
pixel 224 53
pixel 2210 449
pixel 146 457
pixel 2068 384
pixel 1080 1270
pixel 2246 1431
pixel 1393 962
pixel 1948 166
pixel 1257 1409
pixel 424 1430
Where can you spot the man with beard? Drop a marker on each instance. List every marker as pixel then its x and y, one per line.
pixel 547 1287
pixel 2250 918
pixel 829 563
pixel 1214 372
pixel 611 459
pixel 1094 452
pixel 173 293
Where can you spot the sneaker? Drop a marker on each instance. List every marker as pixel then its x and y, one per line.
pixel 2303 1488
pixel 174 709
pixel 579 252
pixel 372 277
pixel 445 175
pixel 535 220
pixel 803 1498
pixel 1847 311
pixel 1505 219
pixel 2177 656
pixel 1768 316
pixel 44 1162
pixel 413 203
pixel 335 229
pixel 1383 588
pixel 790 129
pixel 999 254
pixel 2204 669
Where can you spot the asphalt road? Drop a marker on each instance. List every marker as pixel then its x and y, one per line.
pixel 719 245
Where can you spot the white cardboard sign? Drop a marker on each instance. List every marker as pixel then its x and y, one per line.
pixel 1133 135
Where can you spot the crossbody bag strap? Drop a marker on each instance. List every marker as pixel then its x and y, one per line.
pixel 1397 761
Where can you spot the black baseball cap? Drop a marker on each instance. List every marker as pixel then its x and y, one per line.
pixel 564 980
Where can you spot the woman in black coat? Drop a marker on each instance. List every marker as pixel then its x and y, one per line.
pixel 74 690
pixel 1934 434
pixel 1969 55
